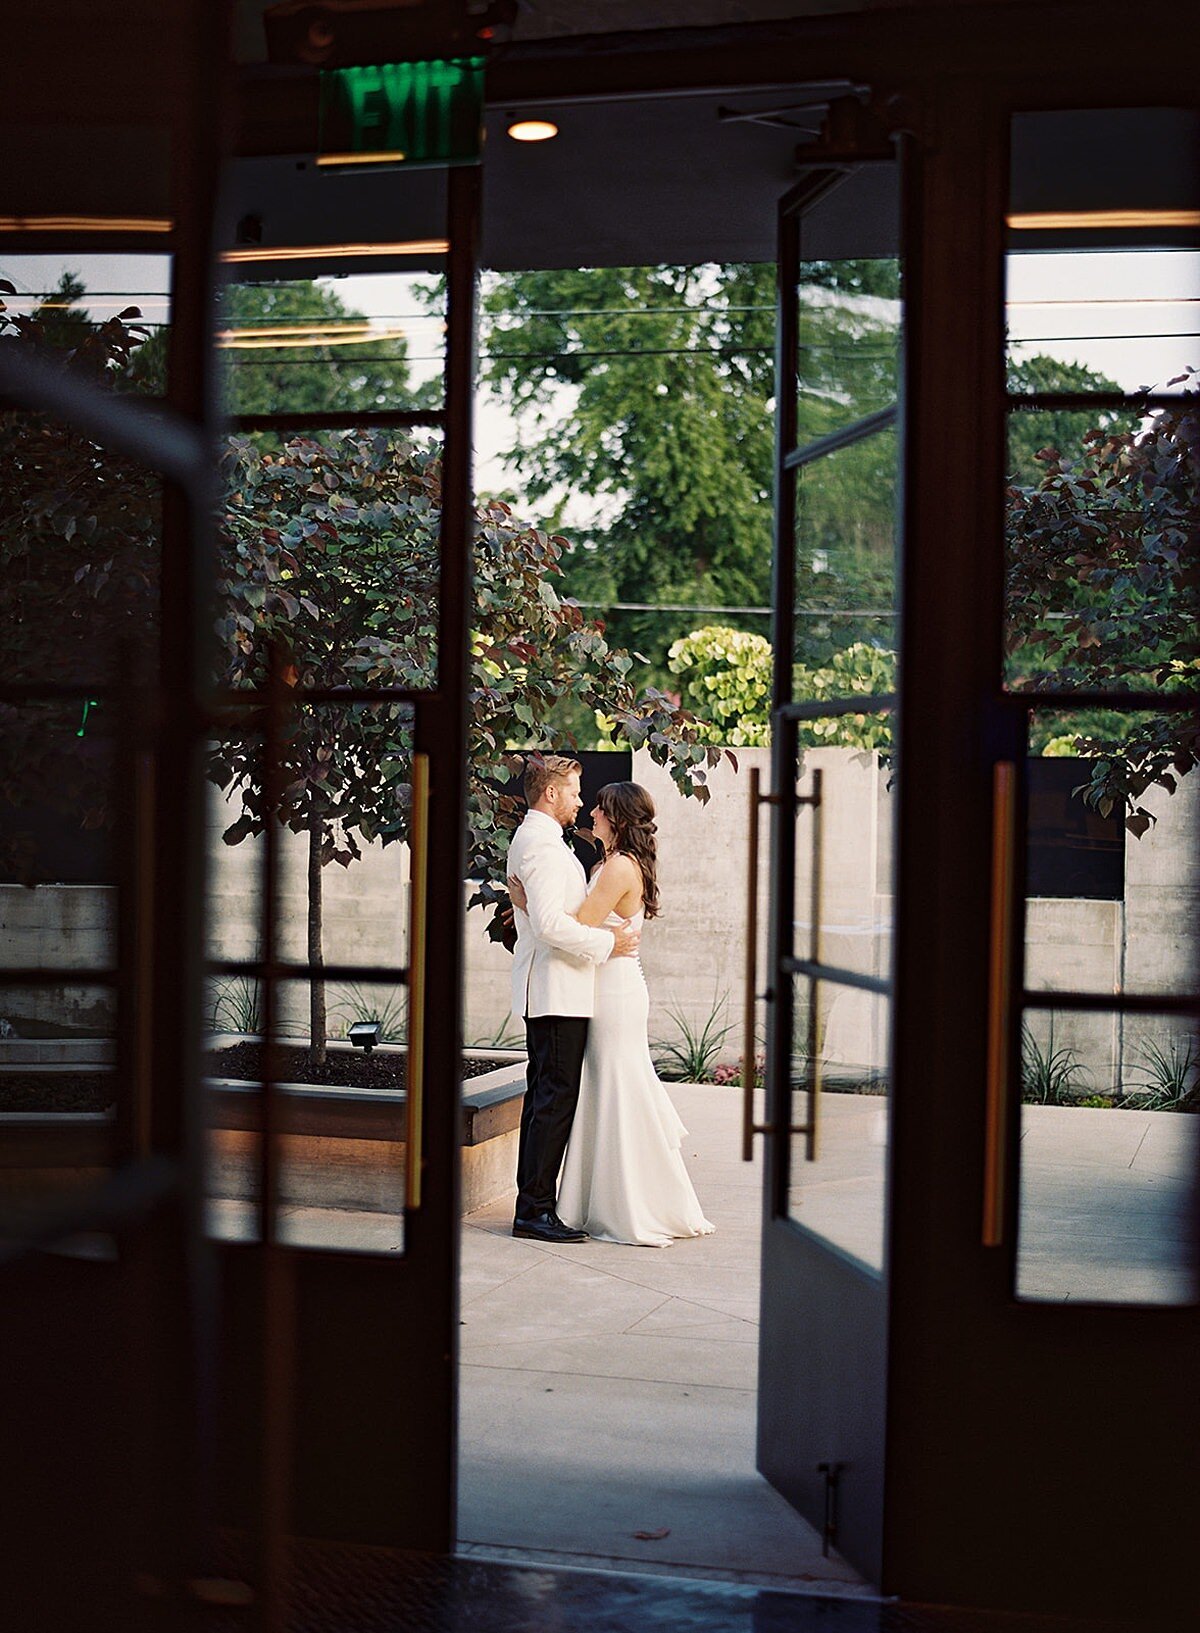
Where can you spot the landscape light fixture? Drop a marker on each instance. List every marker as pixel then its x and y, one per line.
pixel 365 1034
pixel 532 130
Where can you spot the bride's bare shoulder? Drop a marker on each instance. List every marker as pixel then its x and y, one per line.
pixel 620 867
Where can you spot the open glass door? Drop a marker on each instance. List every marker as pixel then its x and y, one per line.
pixel 824 1321
pixel 960 1278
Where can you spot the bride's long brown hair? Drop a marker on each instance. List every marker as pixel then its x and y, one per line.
pixel 631 811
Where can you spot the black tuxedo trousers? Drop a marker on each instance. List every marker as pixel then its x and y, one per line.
pixel 555 1044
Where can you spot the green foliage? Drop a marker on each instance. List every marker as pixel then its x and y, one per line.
pixel 1048 1076
pixel 1170 1076
pixel 727 681
pixel 234 1005
pixel 79 562
pixel 691 1057
pixel 858 669
pixel 1103 591
pixel 1033 434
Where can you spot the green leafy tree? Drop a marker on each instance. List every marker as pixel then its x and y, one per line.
pixel 79 554
pixel 330 557
pixel 667 423
pixel 1037 430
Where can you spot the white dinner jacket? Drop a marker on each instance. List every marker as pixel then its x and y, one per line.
pixel 554 964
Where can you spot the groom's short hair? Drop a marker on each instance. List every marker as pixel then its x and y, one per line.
pixel 543 769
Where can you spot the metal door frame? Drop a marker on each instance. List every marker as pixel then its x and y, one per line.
pixel 823 1343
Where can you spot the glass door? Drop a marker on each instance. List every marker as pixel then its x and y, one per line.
pixel 829 953
pixel 1041 1242
pixel 337 765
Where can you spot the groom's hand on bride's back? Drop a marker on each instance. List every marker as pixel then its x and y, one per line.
pixel 625 940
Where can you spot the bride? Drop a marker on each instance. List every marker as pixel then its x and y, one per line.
pixel 623 1178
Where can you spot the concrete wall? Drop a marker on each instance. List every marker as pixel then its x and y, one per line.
pixel 693 954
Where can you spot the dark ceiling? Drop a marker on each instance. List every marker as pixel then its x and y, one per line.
pixel 658 181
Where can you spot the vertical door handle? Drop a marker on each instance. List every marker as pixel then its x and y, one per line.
pixel 999 1066
pixel 816 912
pixel 751 973
pixel 418 839
pixel 749 1127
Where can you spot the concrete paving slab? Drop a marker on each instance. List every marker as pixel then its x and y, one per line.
pixel 681 1315
pixel 555 1300
pixel 678 1357
pixel 1171 1146
pixel 1083 1135
pixel 582 1464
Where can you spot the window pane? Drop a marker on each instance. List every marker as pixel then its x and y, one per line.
pixel 840 1049
pixel 343 897
pixel 312 345
pixel 1100 517
pixel 112 311
pixel 846 619
pixel 844 892
pixel 1108 1160
pixel 1117 320
pixel 329 546
pixel 848 343
pixel 342 1123
pixel 59 1088
pixel 80 534
pixel 840 1031
pixel 1112 880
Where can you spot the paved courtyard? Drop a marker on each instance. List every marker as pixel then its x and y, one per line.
pixel 611 1391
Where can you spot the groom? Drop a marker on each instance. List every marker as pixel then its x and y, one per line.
pixel 553 975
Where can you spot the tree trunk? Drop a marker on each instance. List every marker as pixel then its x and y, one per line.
pixel 316 959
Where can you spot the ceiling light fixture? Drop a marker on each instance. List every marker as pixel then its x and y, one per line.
pixel 85 223
pixel 1077 220
pixel 321 252
pixel 532 130
pixel 299 337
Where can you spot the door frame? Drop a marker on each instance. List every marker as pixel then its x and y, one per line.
pixel 998 1414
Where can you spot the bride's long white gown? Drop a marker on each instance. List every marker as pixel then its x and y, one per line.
pixel 623 1178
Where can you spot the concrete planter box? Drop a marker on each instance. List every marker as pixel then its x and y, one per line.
pixel 342 1148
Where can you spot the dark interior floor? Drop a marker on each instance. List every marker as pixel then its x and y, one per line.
pixel 338 1589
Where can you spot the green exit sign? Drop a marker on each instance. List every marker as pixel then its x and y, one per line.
pixel 412 113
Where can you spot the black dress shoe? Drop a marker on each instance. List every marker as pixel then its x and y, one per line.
pixel 547 1227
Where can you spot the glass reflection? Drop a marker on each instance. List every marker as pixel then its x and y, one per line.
pixel 838 1192
pixel 846 593
pixel 848 343
pixel 323 345
pixel 1108 1158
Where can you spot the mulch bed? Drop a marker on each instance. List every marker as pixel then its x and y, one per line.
pixel 50 1091
pixel 93 1091
pixel 344 1069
